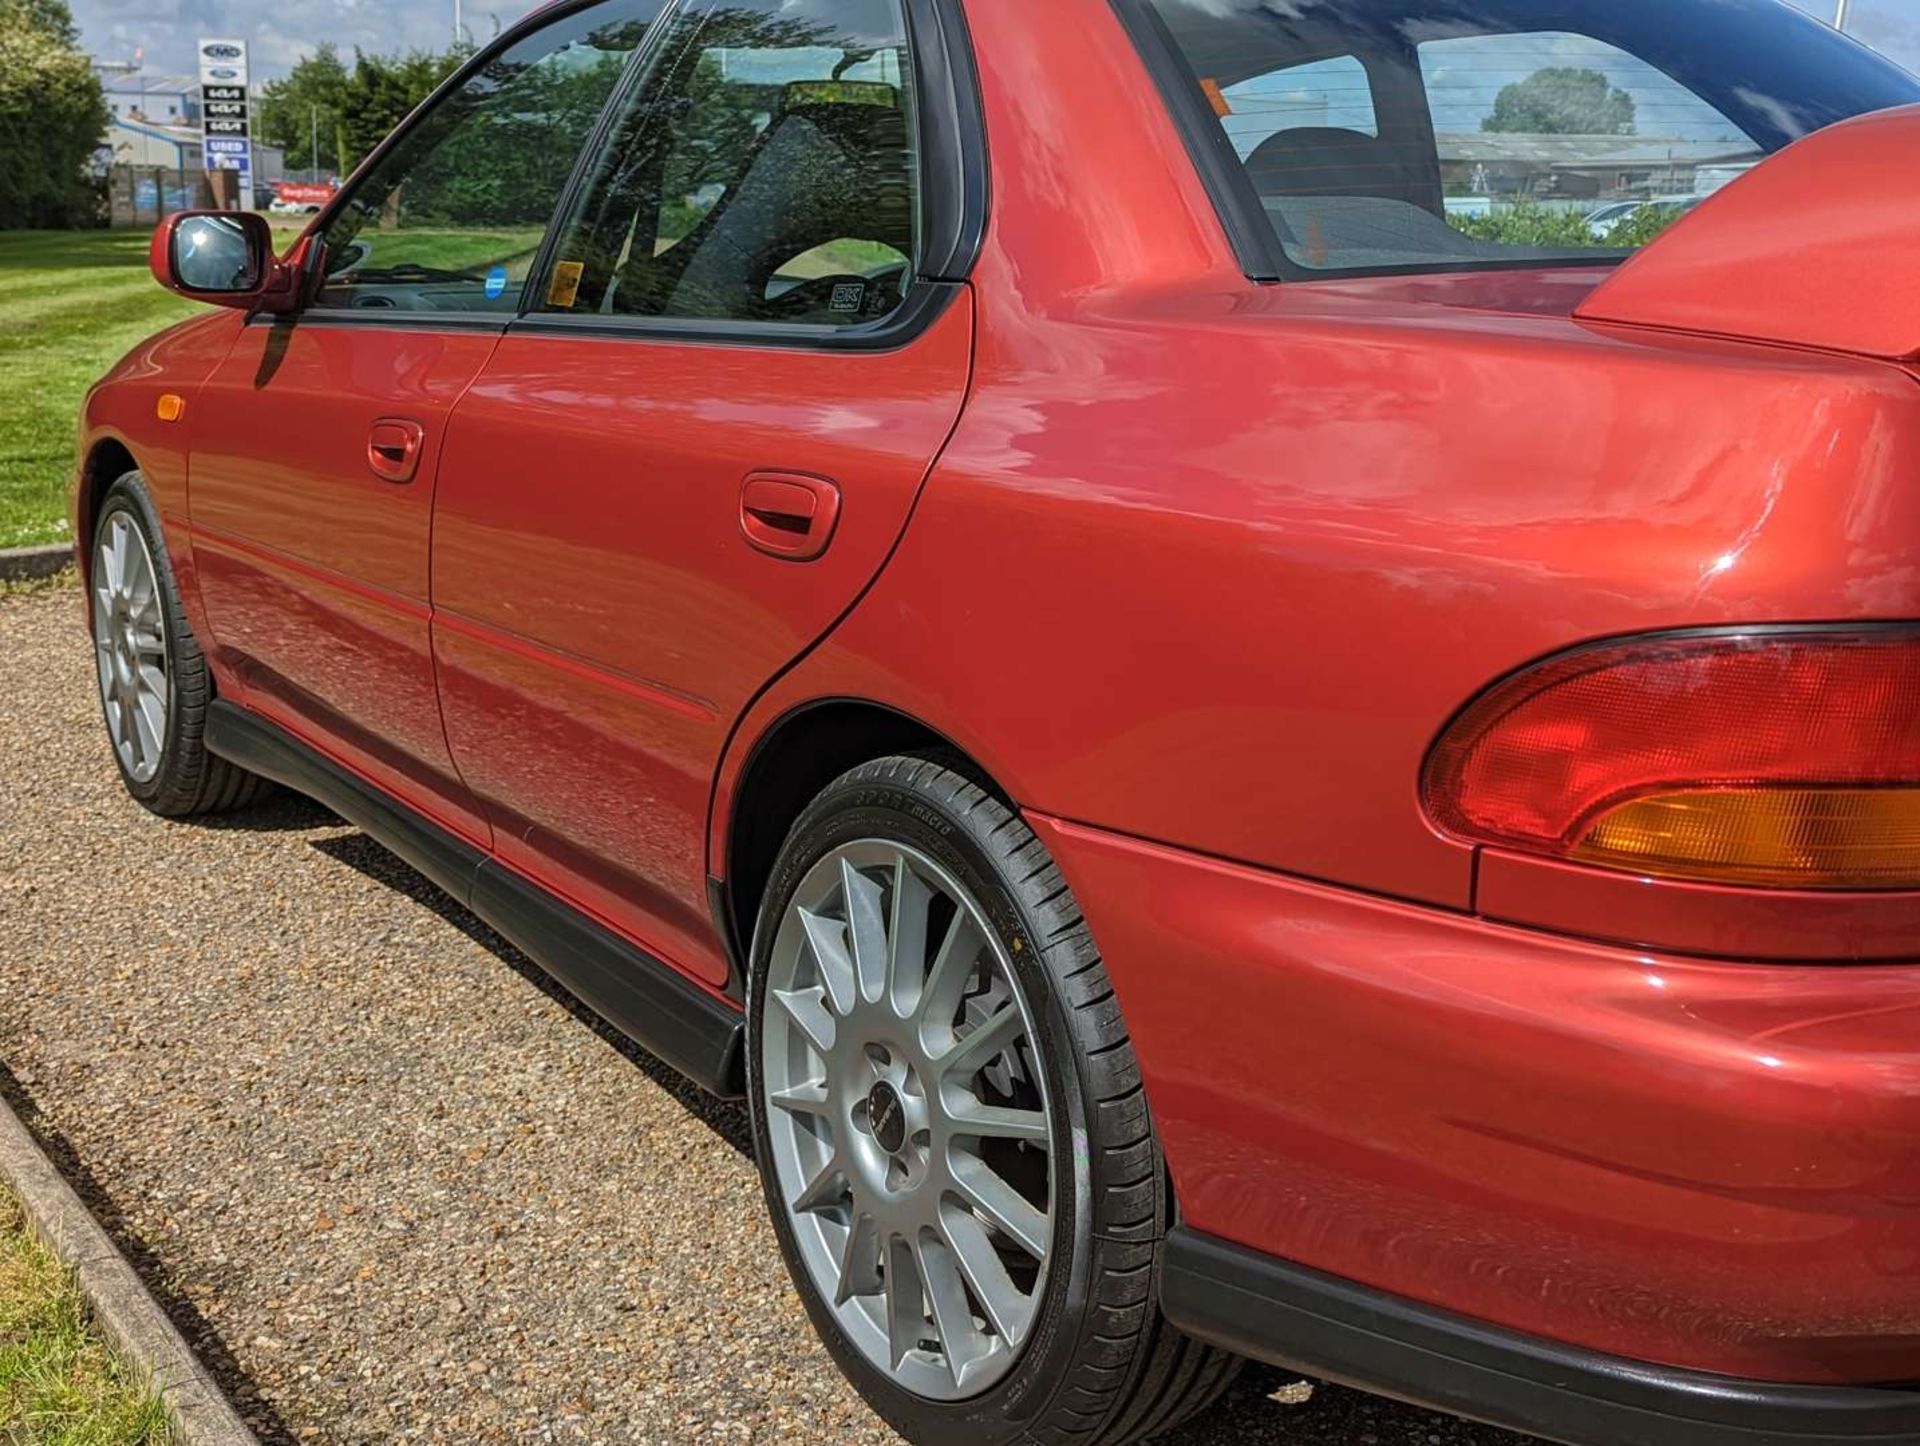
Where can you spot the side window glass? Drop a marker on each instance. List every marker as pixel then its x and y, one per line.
pixel 451 218
pixel 765 172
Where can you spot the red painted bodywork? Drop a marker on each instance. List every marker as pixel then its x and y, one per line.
pixel 1197 569
pixel 1695 1162
pixel 1746 264
pixel 315 568
pixel 594 590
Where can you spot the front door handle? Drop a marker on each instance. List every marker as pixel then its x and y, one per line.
pixel 789 514
pixel 393 448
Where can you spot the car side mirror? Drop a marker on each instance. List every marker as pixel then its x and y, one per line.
pixel 222 257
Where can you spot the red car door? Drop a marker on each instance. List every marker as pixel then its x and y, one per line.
pixel 696 450
pixel 319 440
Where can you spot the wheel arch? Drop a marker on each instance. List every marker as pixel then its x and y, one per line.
pixel 107 461
pixel 788 764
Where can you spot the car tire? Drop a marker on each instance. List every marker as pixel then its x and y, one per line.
pixel 155 687
pixel 1085 1356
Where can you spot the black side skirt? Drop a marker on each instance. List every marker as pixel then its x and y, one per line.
pixel 1285 1314
pixel 644 999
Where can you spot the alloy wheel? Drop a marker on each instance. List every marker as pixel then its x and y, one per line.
pixel 907 1114
pixel 130 646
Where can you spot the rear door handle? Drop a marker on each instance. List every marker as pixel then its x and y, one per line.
pixel 393 448
pixel 789 514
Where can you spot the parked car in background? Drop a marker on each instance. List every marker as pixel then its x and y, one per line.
pixel 1229 769
pixel 1609 219
pixel 1609 216
pixel 302 198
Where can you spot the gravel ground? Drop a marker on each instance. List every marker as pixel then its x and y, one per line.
pixel 390 1184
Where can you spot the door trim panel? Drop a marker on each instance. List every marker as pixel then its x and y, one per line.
pixel 655 1006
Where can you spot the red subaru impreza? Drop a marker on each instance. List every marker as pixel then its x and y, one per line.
pixel 1251 664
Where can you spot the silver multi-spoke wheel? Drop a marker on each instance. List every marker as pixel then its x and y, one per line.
pixel 908 1119
pixel 130 645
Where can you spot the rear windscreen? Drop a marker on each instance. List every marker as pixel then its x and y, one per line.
pixel 1406 135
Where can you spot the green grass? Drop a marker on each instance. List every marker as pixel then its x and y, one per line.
pixel 72 303
pixel 448 248
pixel 59 1386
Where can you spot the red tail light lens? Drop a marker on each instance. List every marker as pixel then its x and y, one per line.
pixel 1782 759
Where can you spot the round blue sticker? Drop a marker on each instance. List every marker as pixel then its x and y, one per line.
pixel 496 283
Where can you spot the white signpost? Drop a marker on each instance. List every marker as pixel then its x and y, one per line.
pixel 226 121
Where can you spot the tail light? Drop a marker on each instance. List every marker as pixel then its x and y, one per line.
pixel 1784 758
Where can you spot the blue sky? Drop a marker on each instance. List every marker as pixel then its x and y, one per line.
pixel 281 33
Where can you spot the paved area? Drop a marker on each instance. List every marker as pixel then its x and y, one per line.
pixel 389 1183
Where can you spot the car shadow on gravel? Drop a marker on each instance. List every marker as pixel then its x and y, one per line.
pixel 278 810
pixel 725 1119
pixel 200 1334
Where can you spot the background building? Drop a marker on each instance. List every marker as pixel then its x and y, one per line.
pixel 165 99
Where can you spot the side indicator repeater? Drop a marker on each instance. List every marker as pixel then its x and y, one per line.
pixel 171 407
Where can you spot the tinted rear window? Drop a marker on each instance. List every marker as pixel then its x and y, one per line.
pixel 1408 135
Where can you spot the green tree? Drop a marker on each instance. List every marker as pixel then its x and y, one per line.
pixel 1531 224
pixel 1563 101
pixel 311 97
pixel 503 149
pixel 384 90
pixel 53 16
pixel 53 116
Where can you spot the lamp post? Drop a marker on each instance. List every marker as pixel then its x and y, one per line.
pixel 1841 10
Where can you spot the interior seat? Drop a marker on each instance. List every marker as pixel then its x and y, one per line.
pixel 820 173
pixel 1328 161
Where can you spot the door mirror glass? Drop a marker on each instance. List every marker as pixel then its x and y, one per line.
pixel 217 254
pixel 222 257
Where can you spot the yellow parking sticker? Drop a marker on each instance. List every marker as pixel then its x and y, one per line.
pixel 566 284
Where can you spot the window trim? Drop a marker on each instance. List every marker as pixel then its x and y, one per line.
pixel 1257 246
pixel 954 175
pixel 951 137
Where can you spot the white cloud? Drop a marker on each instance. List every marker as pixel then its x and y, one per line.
pixel 280 35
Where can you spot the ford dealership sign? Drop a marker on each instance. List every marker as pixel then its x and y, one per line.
pixel 226 120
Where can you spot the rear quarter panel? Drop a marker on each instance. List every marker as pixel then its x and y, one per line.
pixel 1216 572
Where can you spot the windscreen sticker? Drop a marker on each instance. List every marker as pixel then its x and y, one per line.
pixel 848 296
pixel 496 283
pixel 565 287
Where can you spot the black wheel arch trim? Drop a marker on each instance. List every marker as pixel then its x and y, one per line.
pixel 1286 1314
pixel 644 998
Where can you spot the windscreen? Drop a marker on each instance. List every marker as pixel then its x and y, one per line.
pixel 1411 135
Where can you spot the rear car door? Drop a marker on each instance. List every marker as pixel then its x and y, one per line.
pixel 320 437
pixel 703 439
